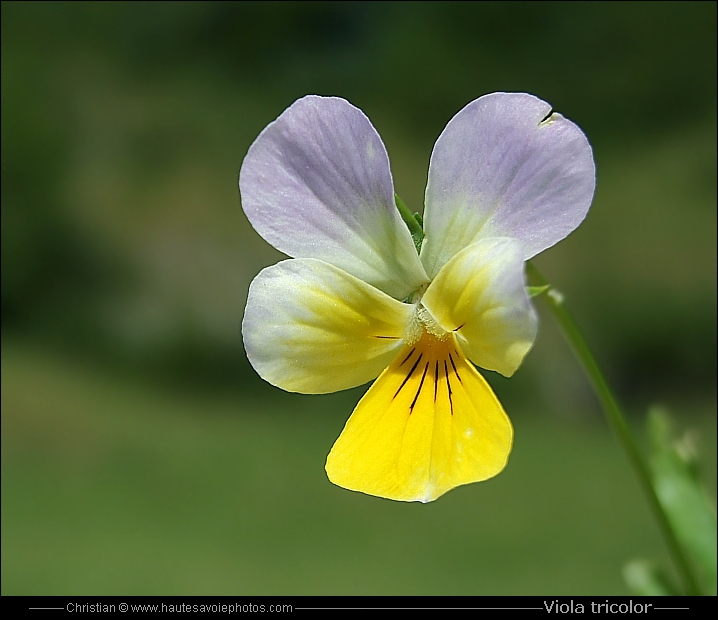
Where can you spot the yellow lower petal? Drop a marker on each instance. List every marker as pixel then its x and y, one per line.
pixel 429 423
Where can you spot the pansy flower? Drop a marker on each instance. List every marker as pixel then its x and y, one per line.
pixel 357 302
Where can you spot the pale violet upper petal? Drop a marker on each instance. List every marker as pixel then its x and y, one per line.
pixel 480 296
pixel 311 327
pixel 316 183
pixel 505 166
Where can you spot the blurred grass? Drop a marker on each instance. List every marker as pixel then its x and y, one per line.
pixel 118 487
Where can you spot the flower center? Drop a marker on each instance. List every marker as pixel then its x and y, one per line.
pixel 422 322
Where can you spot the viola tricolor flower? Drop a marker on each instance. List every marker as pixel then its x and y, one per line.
pixel 357 301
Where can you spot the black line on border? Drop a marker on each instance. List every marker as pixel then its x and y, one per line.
pixel 454 367
pixel 413 402
pixel 411 372
pixel 448 386
pixel 408 356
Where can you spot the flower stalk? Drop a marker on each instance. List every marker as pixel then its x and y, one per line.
pixel 617 422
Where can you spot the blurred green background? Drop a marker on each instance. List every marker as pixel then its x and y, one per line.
pixel 142 455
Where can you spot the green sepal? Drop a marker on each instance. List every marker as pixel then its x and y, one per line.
pixel 414 223
pixel 538 285
pixel 535 291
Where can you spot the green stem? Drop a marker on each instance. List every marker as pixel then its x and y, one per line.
pixel 618 424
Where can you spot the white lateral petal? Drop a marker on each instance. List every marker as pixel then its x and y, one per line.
pixel 501 168
pixel 311 327
pixel 316 183
pixel 480 296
